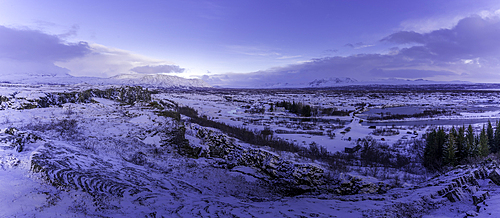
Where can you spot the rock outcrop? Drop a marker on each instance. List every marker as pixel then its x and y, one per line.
pixel 17 139
pixel 123 94
pixel 350 185
pixel 464 183
pixel 69 168
pixel 300 176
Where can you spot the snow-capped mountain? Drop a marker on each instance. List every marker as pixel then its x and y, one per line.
pixel 331 82
pixel 157 80
pixel 149 80
pixel 327 82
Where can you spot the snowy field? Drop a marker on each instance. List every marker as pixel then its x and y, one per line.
pixel 229 106
pixel 69 152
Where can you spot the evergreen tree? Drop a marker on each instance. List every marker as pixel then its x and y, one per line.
pixel 491 135
pixel 433 152
pixel 306 111
pixel 461 145
pixel 471 142
pixel 441 138
pixel 430 161
pixel 483 147
pixel 449 149
pixel 496 140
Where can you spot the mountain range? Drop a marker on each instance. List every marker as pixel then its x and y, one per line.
pixel 170 81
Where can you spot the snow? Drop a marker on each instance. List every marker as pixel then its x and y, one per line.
pixel 122 145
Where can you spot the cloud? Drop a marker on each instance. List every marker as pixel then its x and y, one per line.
pixel 359 66
pixel 31 45
pixel 253 50
pixel 472 37
pixel 158 69
pixel 71 32
pixel 442 54
pixel 25 52
pixel 289 57
pixel 404 37
pixel 350 45
pixel 409 73
pixel 357 45
pixel 103 61
pixel 331 51
pixel 33 52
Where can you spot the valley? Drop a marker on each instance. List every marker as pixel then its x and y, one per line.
pixel 120 151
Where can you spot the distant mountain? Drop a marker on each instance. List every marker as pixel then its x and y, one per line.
pixel 332 82
pixel 157 80
pixel 317 83
pixel 147 80
pixel 36 78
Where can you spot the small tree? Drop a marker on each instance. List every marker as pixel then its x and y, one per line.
pixel 267 133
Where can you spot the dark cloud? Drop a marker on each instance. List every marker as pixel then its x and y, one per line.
pixel 26 53
pixel 404 37
pixel 31 45
pixel 356 66
pixel 409 73
pixel 158 69
pixel 472 37
pixel 330 51
pixel 469 50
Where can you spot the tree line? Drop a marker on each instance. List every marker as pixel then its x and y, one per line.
pixel 296 108
pixel 372 153
pixel 459 146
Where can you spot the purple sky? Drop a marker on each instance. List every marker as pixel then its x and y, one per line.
pixel 270 41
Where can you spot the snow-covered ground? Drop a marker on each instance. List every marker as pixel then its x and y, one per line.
pixel 229 107
pixel 105 158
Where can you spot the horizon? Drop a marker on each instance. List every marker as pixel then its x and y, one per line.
pixel 254 43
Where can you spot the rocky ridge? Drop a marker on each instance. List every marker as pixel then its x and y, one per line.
pixel 297 176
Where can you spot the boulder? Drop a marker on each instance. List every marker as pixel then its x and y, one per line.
pixel 350 185
pixel 495 176
pixel 480 196
pixel 471 214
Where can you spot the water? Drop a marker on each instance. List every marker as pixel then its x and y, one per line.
pixel 407 110
pixel 437 122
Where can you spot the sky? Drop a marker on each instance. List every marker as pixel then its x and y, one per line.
pixel 254 42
